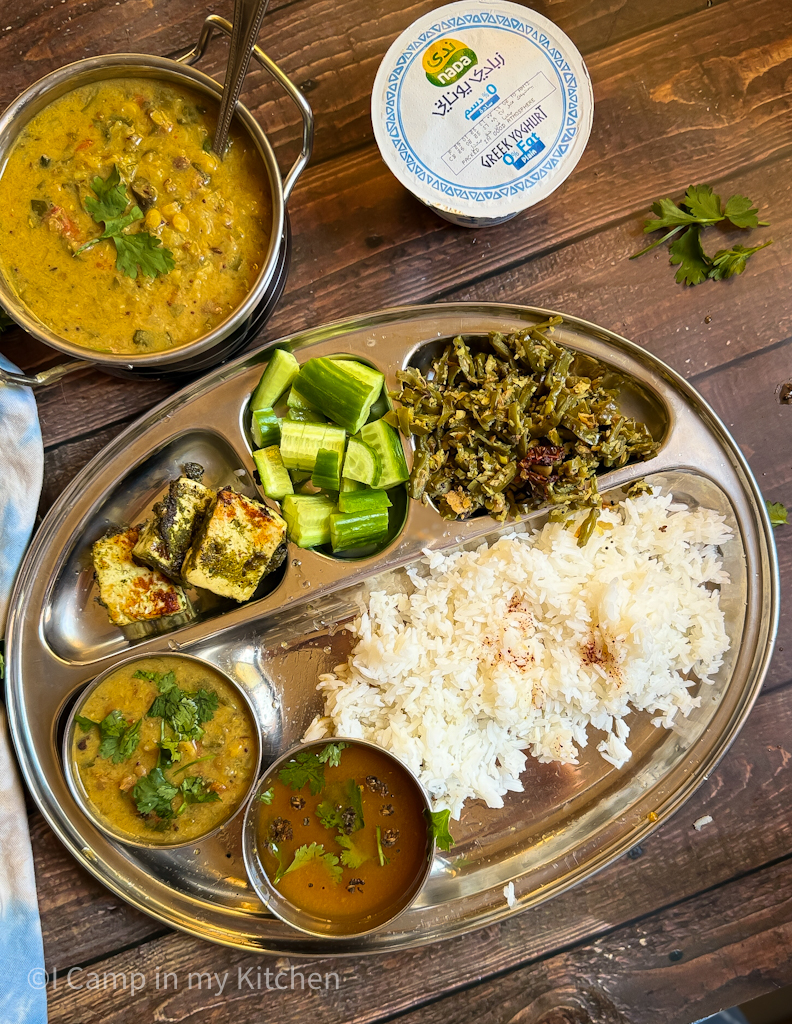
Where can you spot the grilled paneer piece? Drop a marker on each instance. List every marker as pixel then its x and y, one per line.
pixel 240 541
pixel 130 592
pixel 165 539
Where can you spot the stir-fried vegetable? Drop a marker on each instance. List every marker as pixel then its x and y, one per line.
pixel 514 424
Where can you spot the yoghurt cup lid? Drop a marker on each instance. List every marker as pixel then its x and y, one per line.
pixel 481 109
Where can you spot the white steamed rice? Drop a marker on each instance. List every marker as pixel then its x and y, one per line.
pixel 468 660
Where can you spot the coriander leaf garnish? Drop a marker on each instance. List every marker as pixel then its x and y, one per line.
pixel 304 768
pixel 144 252
pixel 306 854
pixel 700 208
pixel 153 794
pixel 728 262
pixel 86 724
pixel 331 754
pixel 329 815
pixel 383 860
pixel 686 251
pixel 353 856
pixel 437 822
pixel 119 738
pixel 777 513
pixel 111 197
pixel 195 791
pixel 141 251
pixel 183 710
pixel 184 767
pixel 267 796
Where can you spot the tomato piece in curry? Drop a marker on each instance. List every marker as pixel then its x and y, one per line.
pixel 212 216
pixel 165 748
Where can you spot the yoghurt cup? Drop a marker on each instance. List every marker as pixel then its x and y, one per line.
pixel 481 109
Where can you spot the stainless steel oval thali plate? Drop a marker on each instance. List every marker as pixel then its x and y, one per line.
pixel 569 822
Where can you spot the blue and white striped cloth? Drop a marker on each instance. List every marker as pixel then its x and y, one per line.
pixel 23 998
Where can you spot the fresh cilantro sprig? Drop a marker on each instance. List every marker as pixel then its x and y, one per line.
pixel 194 790
pixel 777 513
pixel 437 822
pixel 700 208
pixel 142 251
pixel 183 710
pixel 305 855
pixel 154 794
pixel 353 856
pixel 118 737
pixel 307 767
pixel 267 796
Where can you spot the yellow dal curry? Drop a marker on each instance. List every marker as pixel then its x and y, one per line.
pixel 167 766
pixel 213 216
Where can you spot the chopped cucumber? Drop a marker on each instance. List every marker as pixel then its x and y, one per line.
pixel 305 416
pixel 385 441
pixel 351 485
pixel 294 400
pixel 355 529
pixel 344 390
pixel 280 372
pixel 299 476
pixel 363 501
pixel 275 481
pixel 327 471
pixel 264 428
pixel 301 441
pixel 308 518
pixel 362 462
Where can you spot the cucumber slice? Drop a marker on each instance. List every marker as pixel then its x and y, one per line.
pixel 294 400
pixel 385 441
pixel 301 441
pixel 264 428
pixel 355 529
pixel 342 389
pixel 363 501
pixel 280 372
pixel 305 416
pixel 362 462
pixel 275 481
pixel 327 471
pixel 308 518
pixel 299 476
pixel 351 485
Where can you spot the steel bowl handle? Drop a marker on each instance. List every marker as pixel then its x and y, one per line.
pixel 214 21
pixel 41 380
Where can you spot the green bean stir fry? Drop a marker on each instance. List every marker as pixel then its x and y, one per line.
pixel 517 424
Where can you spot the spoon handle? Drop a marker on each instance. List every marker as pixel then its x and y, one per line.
pixel 248 15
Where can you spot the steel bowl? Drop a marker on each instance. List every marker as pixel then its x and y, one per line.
pixel 275 901
pixel 75 782
pixel 228 337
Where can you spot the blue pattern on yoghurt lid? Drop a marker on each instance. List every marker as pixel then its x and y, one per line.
pixel 481 109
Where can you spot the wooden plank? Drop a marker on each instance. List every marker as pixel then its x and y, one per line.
pixel 336 66
pixel 751 786
pixel 719 949
pixel 693 329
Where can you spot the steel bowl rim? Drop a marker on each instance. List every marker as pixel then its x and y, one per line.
pixel 271 897
pixel 61 81
pixel 72 775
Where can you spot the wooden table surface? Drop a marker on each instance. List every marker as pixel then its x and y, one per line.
pixel 686 91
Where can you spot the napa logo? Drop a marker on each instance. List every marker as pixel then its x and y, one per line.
pixel 446 61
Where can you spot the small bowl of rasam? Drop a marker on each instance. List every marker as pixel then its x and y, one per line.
pixel 338 838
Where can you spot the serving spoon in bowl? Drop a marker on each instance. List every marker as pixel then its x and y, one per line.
pixel 248 15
